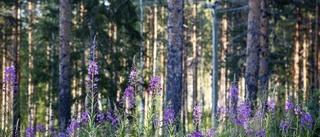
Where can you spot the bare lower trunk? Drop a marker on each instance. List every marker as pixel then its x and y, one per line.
pixel 252 54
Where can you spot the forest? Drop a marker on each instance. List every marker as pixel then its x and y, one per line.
pixel 159 68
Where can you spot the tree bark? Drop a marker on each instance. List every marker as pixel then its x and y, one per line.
pixel 264 46
pixel 252 53
pixel 64 65
pixel 223 71
pixel 15 96
pixel 174 56
pixel 30 63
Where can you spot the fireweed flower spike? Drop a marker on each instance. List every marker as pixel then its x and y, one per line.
pixel 197 113
pixel 168 116
pixel 9 79
pixel 288 106
pixel 155 85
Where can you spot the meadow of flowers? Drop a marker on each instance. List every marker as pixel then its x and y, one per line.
pixel 236 119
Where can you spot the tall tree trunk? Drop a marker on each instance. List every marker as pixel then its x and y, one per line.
pixel 162 74
pixel 304 69
pixel 15 96
pixel 296 58
pixel 155 38
pixel 223 71
pixel 174 56
pixel 31 117
pixel 52 75
pixel 317 58
pixel 64 64
pixel 252 53
pixel 184 100
pixel 4 94
pixel 264 46
pixel 141 119
pixel 195 54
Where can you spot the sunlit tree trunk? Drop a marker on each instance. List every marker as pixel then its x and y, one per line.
pixel 252 53
pixel 296 58
pixel 162 74
pixel 64 64
pixel 304 68
pixel 31 117
pixel 4 94
pixel 195 54
pixel 223 71
pixel 174 56
pixel 52 76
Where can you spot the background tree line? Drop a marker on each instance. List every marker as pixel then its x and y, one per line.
pixel 268 45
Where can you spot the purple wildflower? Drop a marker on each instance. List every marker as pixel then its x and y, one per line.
pixel 84 117
pixel 41 128
pixel 62 134
pixel 284 125
pixel 288 106
pixel 132 75
pixel 93 68
pixel 261 133
pixel 249 132
pixel 211 133
pixel 168 116
pixel 271 105
pixel 196 134
pixel 197 113
pixel 297 110
pixel 9 78
pixel 92 71
pixel 74 125
pixel 155 82
pixel 129 95
pixel 243 114
pixel 114 120
pixel 100 117
pixel 306 120
pixel 30 132
pixel 233 97
pixel 222 110
pixel 53 132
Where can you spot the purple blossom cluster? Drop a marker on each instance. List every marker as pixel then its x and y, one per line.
pixel 196 134
pixel 129 95
pixel 288 106
pixel 155 84
pixel 84 117
pixel 209 133
pixel 197 114
pixel 41 128
pixel 9 79
pixel 74 125
pixel 112 118
pixel 285 125
pixel 306 121
pixel 297 110
pixel 243 115
pixel 30 132
pixel 234 95
pixel 271 106
pixel 168 116
pixel 93 70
